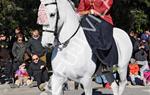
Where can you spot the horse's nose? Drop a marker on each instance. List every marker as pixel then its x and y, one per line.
pixel 49 44
pixel 52 14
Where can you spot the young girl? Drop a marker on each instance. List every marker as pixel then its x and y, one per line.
pixel 22 76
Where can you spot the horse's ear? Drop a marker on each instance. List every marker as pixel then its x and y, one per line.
pixel 47 1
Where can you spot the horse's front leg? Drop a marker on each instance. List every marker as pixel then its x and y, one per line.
pixel 87 84
pixel 57 84
pixel 115 88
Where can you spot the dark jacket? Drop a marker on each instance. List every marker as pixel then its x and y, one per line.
pixel 18 51
pixel 141 53
pixel 34 46
pixel 4 51
pixel 34 68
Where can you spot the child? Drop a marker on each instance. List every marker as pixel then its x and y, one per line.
pixel 133 71
pixel 22 76
pixel 146 77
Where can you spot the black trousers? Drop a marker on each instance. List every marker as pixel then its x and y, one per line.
pixel 6 68
pixel 40 76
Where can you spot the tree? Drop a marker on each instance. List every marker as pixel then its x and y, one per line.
pixel 7 11
pixel 131 14
pixel 18 12
pixel 139 20
pixel 127 14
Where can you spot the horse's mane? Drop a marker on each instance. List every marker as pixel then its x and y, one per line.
pixel 69 17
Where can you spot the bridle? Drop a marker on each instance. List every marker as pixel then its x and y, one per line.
pixel 56 33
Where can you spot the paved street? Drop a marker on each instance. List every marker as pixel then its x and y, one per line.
pixel 130 90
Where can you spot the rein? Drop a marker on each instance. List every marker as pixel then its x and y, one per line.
pixel 56 34
pixel 67 41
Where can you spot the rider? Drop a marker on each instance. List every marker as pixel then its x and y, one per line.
pixel 98 27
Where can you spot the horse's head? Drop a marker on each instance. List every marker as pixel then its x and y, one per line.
pixel 49 29
pixel 62 21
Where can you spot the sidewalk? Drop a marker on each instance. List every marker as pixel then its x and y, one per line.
pixel 6 90
pixel 130 90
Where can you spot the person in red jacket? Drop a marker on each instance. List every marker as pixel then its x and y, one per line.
pixel 97 7
pixel 97 24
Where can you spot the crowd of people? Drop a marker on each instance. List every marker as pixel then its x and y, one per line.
pixel 22 60
pixel 139 67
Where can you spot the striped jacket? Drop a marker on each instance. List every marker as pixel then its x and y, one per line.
pixel 100 7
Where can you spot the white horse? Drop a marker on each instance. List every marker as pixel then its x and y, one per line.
pixel 74 60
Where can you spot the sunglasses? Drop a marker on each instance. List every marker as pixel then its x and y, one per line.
pixel 35 35
pixel 1 36
pixel 35 59
pixel 19 40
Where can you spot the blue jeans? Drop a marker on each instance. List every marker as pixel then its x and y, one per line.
pixel 102 79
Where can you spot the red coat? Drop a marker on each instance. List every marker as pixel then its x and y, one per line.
pixel 100 6
pixel 134 69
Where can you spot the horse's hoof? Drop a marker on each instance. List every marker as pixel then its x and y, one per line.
pixel 43 93
pixel 42 87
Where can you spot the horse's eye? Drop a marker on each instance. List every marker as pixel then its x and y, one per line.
pixel 52 14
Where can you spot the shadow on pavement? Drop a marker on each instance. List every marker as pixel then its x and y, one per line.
pixel 97 93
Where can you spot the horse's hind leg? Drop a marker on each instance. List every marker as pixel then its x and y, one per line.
pixel 57 84
pixel 87 84
pixel 123 78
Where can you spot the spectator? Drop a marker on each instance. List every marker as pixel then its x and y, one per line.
pixel 132 37
pixel 22 76
pixel 18 31
pixel 134 40
pixel 18 51
pixel 136 47
pixel 4 54
pixel 134 71
pixel 34 45
pixel 141 56
pixel 5 58
pixel 38 70
pixel 102 79
pixel 146 35
pixel 147 77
